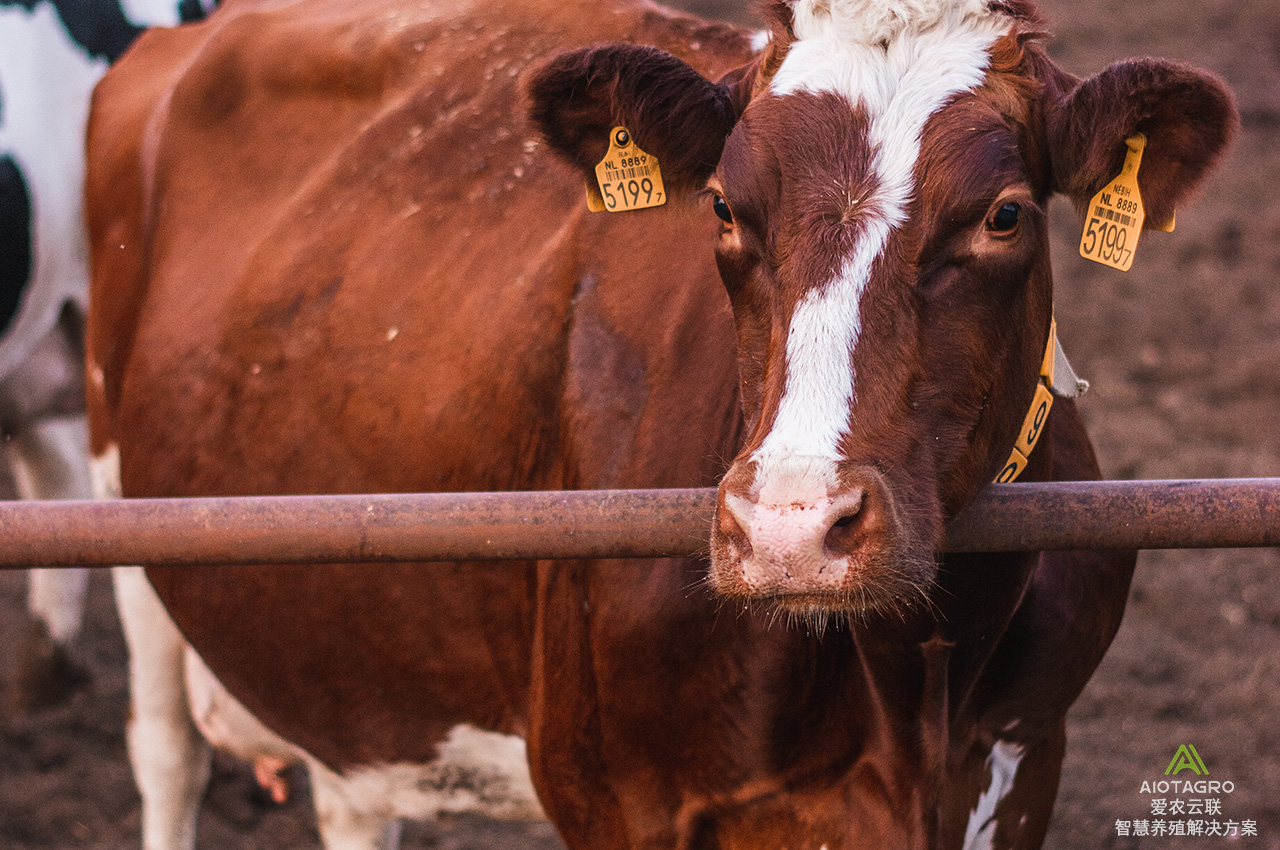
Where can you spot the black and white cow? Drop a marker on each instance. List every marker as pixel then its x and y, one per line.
pixel 52 53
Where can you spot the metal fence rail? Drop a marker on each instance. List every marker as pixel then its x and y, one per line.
pixel 596 524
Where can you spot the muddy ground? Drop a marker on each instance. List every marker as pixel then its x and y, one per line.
pixel 1184 356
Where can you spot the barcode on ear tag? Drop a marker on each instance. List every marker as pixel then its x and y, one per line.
pixel 627 178
pixel 1114 219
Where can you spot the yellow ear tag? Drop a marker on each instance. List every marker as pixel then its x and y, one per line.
pixel 627 177
pixel 1113 222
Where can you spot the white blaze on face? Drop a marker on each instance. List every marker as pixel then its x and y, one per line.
pixel 899 62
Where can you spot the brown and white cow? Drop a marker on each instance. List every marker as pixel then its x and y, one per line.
pixel 330 255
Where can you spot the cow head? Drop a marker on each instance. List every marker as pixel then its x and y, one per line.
pixel 880 175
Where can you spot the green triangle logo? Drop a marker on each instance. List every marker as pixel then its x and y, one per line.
pixel 1186 757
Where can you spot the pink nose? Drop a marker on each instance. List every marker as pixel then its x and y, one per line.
pixel 800 542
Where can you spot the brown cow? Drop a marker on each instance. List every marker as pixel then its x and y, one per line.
pixel 330 256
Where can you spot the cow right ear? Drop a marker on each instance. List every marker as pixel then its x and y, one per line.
pixel 1188 116
pixel 673 112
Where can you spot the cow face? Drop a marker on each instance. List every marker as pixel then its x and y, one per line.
pixel 880 176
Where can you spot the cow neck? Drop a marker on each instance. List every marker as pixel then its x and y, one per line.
pixel 1057 379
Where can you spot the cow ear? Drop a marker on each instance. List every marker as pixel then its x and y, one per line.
pixel 672 111
pixel 1188 116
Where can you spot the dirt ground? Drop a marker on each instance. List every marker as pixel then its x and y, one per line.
pixel 1184 356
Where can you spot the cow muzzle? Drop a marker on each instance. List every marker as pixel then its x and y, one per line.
pixel 810 535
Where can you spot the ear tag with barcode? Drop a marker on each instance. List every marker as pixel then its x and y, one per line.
pixel 627 178
pixel 1114 219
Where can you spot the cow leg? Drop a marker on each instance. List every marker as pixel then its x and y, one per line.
pixel 1019 784
pixel 49 460
pixel 343 824
pixel 170 758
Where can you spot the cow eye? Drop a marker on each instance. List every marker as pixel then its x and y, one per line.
pixel 1005 219
pixel 721 207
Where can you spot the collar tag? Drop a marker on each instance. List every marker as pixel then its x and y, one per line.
pixel 1064 382
pixel 627 178
pixel 1115 216
pixel 1032 428
pixel 1057 378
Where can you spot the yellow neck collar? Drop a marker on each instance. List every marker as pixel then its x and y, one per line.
pixel 1057 378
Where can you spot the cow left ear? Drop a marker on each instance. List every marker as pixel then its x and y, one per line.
pixel 1188 116
pixel 672 111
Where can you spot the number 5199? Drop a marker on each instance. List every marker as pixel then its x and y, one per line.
pixel 630 193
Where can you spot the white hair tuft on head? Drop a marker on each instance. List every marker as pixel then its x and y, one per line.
pixel 874 21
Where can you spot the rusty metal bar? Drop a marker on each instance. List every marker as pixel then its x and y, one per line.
pixel 354 529
pixel 595 524
pixel 1242 512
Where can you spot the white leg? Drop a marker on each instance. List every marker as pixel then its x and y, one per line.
pixel 56 598
pixel 49 460
pixel 169 756
pixel 344 826
pixel 170 759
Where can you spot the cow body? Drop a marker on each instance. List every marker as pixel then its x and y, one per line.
pixel 388 283
pixel 51 55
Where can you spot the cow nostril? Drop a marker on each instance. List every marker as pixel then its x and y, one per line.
pixel 732 524
pixel 842 536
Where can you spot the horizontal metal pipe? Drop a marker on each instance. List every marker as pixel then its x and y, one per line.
pixel 355 529
pixel 596 524
pixel 1241 512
